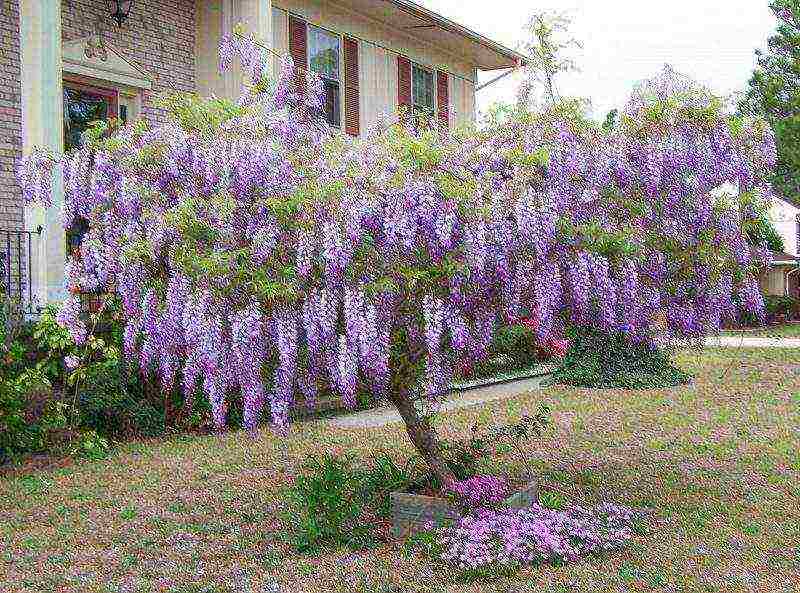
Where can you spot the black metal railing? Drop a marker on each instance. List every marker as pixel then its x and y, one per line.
pixel 17 251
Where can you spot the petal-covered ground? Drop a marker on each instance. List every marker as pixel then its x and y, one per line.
pixel 717 462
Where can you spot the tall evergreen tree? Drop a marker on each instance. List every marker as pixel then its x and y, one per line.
pixel 774 92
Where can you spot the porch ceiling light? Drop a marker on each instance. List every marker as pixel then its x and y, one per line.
pixel 120 9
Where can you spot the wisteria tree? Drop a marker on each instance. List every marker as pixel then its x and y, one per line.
pixel 258 252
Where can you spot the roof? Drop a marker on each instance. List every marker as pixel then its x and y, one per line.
pixel 438 30
pixel 791 200
pixel 781 258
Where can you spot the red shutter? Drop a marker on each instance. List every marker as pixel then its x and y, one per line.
pixel 298 48
pixel 352 113
pixel 403 82
pixel 443 98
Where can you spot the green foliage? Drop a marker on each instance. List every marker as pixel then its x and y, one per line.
pixel 551 499
pixel 781 306
pixel 774 92
pixel 30 419
pixel 46 407
pixel 425 542
pixel 602 361
pixel 90 445
pixel 611 119
pixel 109 407
pixel 762 232
pixel 332 497
pixel 514 347
pixel 195 114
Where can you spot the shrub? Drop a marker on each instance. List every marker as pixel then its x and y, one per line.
pixel 114 409
pixel 56 396
pixel 515 347
pixel 602 361
pixel 31 419
pixel 335 503
pixel 781 307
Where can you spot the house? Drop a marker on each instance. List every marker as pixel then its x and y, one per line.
pixel 65 63
pixel 783 276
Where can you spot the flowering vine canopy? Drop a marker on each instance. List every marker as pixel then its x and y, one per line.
pixel 257 251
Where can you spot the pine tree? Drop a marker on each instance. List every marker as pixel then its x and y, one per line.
pixel 774 92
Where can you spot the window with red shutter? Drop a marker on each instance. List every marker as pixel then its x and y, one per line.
pixel 443 97
pixel 403 82
pixel 352 108
pixel 325 60
pixel 298 48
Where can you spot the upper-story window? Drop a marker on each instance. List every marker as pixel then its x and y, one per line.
pixel 423 90
pixel 324 58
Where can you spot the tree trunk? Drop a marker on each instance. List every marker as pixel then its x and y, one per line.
pixel 406 360
pixel 423 437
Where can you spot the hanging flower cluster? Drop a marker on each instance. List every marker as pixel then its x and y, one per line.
pixel 257 251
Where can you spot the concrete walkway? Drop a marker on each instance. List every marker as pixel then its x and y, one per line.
pixel 747 342
pixel 460 399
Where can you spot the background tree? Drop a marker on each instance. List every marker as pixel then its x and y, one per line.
pixel 762 232
pixel 611 119
pixel 774 92
pixel 548 46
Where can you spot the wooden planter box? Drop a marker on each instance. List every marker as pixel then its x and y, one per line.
pixel 411 513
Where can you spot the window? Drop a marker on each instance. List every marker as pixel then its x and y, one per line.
pixel 324 58
pixel 423 91
pixel 82 106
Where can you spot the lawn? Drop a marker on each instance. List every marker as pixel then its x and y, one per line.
pixel 717 462
pixel 789 330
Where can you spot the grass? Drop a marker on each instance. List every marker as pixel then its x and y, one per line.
pixel 718 463
pixel 789 330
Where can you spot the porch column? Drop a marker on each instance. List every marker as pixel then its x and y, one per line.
pixel 42 125
pixel 216 18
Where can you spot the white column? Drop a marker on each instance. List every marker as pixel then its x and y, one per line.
pixel 256 18
pixel 42 125
pixel 216 18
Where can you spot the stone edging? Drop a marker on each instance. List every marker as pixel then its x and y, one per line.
pixel 411 513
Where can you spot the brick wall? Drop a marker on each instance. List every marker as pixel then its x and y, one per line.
pixel 158 38
pixel 10 115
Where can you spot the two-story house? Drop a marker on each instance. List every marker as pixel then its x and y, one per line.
pixel 64 63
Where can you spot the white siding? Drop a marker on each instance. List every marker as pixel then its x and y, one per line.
pixel 462 102
pixel 377 83
pixel 784 218
pixel 280 37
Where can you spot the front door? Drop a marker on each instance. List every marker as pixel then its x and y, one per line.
pixel 84 105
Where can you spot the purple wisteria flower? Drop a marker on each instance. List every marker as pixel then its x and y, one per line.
pixel 271 256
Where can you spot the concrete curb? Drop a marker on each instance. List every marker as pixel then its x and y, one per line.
pixel 457 399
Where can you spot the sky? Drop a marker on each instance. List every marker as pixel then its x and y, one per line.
pixel 628 41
